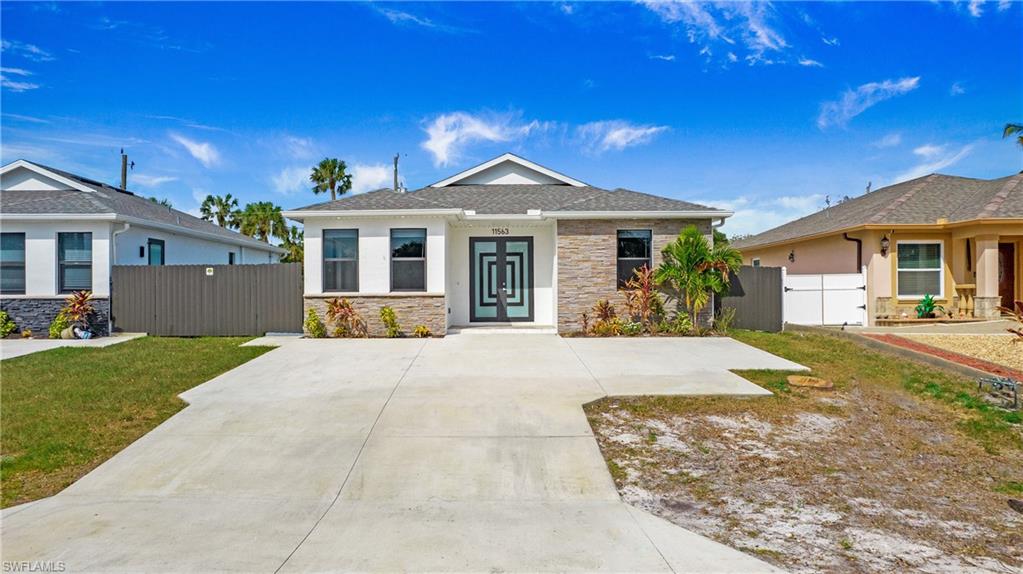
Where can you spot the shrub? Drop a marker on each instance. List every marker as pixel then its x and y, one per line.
pixel 390 321
pixel 608 328
pixel 79 309
pixel 927 307
pixel 605 322
pixel 7 325
pixel 347 321
pixel 314 326
pixel 642 299
pixel 632 328
pixel 724 319
pixel 422 331
pixel 692 268
pixel 681 324
pixel 60 322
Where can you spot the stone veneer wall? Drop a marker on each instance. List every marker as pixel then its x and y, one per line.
pixel 37 313
pixel 587 262
pixel 411 309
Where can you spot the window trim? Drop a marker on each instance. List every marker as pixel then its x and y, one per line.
pixel 150 241
pixel 392 258
pixel 324 259
pixel 649 258
pixel 61 264
pixel 940 269
pixel 21 265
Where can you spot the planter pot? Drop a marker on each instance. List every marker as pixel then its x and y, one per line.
pixel 68 333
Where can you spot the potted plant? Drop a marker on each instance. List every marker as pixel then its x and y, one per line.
pixel 927 307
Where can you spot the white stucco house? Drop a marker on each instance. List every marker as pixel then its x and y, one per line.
pixel 506 241
pixel 61 232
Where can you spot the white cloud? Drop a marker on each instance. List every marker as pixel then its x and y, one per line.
pixel 957 89
pixel 753 215
pixel 150 180
pixel 202 151
pixel 889 140
pixel 725 23
pixel 855 102
pixel 402 18
pixel 1004 5
pixel 15 71
pixel 830 41
pixel 602 136
pixel 27 51
pixel 291 179
pixel 566 8
pixel 807 62
pixel 935 159
pixel 371 177
pixel 16 85
pixel 449 134
pixel 298 147
pixel 30 119
pixel 975 9
pixel 665 57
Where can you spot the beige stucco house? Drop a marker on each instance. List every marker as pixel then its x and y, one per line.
pixel 956 238
pixel 505 242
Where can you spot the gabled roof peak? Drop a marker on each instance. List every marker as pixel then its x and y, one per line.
pixel 508 168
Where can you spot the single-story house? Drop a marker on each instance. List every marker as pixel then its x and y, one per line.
pixel 506 241
pixel 61 232
pixel 958 239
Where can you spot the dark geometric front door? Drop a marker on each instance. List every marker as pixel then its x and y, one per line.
pixel 500 279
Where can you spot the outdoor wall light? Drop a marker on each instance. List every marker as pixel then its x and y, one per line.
pixel 792 256
pixel 885 244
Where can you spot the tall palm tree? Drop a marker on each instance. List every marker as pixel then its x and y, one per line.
pixel 1011 129
pixel 264 220
pixel 294 243
pixel 330 175
pixel 222 209
pixel 692 269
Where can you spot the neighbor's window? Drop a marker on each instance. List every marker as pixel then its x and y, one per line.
pixel 230 257
pixel 12 262
pixel 74 261
pixel 633 253
pixel 756 262
pixel 408 260
pixel 340 260
pixel 156 249
pixel 920 270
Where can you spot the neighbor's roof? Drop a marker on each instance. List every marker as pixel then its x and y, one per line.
pixel 498 199
pixel 921 201
pixel 106 199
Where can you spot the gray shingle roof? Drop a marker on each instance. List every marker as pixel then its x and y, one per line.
pixel 509 200
pixel 106 199
pixel 923 200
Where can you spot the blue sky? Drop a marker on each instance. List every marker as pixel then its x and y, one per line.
pixel 762 108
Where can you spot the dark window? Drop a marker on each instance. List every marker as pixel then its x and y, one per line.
pixel 230 257
pixel 633 253
pixel 156 248
pixel 756 263
pixel 408 260
pixel 340 260
pixel 12 262
pixel 74 261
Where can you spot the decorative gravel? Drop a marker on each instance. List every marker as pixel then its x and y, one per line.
pixel 998 349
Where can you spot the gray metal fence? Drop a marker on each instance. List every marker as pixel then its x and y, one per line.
pixel 213 300
pixel 756 295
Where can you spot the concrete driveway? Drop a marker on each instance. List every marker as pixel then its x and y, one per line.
pixel 469 453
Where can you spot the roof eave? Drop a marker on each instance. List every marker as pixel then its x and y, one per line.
pixel 682 214
pixel 886 226
pixel 302 215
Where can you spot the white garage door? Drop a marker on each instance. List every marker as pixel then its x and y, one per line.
pixel 827 299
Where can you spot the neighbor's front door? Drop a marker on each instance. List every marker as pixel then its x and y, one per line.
pixel 1006 273
pixel 501 279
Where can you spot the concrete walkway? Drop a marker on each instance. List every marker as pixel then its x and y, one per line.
pixel 469 453
pixel 10 348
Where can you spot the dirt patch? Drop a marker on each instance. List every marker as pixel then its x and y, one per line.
pixel 957 357
pixel 1000 349
pixel 863 478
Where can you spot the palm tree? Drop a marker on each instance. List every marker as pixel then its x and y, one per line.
pixel 692 269
pixel 330 175
pixel 295 244
pixel 164 202
pixel 1011 129
pixel 223 209
pixel 264 220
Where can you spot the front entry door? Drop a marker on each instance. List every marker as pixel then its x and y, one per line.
pixel 500 279
pixel 1006 273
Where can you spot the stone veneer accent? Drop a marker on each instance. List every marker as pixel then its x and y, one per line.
pixel 587 262
pixel 37 313
pixel 987 307
pixel 412 309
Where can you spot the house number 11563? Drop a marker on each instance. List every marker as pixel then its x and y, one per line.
pixel 499 231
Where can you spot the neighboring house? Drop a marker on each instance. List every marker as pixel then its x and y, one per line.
pixel 958 239
pixel 62 232
pixel 507 241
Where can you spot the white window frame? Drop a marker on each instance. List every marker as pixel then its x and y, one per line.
pixel 941 268
pixel 755 262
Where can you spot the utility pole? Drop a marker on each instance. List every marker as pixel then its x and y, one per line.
pixel 396 172
pixel 124 169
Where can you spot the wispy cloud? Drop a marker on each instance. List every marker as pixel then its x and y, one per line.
pixel 756 214
pixel 151 180
pixel 602 136
pixel 16 85
pixel 205 152
pixel 729 25
pixel 30 119
pixel 855 102
pixel 403 18
pixel 665 57
pixel 956 89
pixel 291 180
pixel 975 8
pixel 809 63
pixel 27 51
pixel 368 177
pixel 934 158
pixel 299 147
pixel 888 140
pixel 832 41
pixel 449 134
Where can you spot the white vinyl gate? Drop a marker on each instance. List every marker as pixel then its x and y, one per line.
pixel 827 299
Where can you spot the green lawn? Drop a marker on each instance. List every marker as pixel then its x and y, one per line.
pixel 65 411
